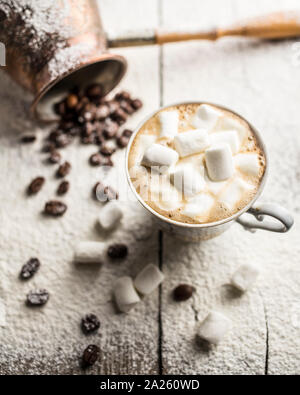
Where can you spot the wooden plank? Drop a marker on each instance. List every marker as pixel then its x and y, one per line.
pixel 49 340
pixel 259 81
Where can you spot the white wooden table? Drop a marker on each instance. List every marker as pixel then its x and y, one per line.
pixel 258 80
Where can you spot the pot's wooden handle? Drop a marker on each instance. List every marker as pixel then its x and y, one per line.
pixel 278 25
pixel 273 26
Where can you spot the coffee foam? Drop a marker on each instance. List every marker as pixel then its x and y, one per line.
pixel 213 201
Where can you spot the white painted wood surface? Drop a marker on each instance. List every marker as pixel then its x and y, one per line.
pixel 260 81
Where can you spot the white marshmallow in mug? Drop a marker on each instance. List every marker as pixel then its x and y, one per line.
pixel 89 252
pixel 248 163
pixel 234 192
pixel 110 215
pixel 126 296
pixel 227 123
pixel 160 156
pixel 206 117
pixel 244 277
pixel 169 121
pixel 148 279
pixel 230 138
pixel 187 180
pixel 214 327
pixel 219 162
pixel 199 206
pixel 191 142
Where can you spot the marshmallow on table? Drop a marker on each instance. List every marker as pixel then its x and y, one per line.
pixel 247 163
pixel 214 327
pixel 187 180
pixel 126 296
pixel 191 142
pixel 110 215
pixel 230 137
pixel 206 117
pixel 160 156
pixel 148 279
pixel 198 206
pixel 169 121
pixel 89 252
pixel 245 277
pixel 227 123
pixel 234 192
pixel 219 162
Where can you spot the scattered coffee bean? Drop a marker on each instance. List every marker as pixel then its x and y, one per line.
pixel 110 130
pixel 113 106
pixel 63 188
pixel 55 208
pixel 49 146
pixel 122 96
pixel 126 106
pixel 54 157
pixel 62 141
pixel 107 149
pixel 127 133
pixel 63 170
pixel 123 141
pixel 72 100
pixel 90 355
pixel 102 112
pixel 137 104
pixel 100 160
pixel 117 251
pixel 28 138
pixel 54 135
pixel 94 91
pixel 183 292
pixel 38 297
pixel 30 268
pixel 36 185
pixel 120 116
pixel 90 323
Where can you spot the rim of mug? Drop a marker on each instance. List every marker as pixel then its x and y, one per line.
pixel 208 224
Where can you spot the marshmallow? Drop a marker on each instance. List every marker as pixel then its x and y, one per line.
pixel 163 194
pixel 214 327
pixel 215 187
pixel 169 121
pixel 219 162
pixel 228 124
pixel 89 252
pixel 148 279
pixel 144 142
pixel 234 193
pixel 160 156
pixel 110 215
pixel 248 164
pixel 230 137
pixel 199 206
pixel 206 117
pixel 245 277
pixel 126 296
pixel 187 180
pixel 191 142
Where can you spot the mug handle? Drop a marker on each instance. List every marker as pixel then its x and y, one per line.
pixel 260 210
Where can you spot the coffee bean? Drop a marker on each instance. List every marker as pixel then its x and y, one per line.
pixel 104 193
pixel 63 170
pixel 110 130
pixel 72 101
pixel 63 188
pixel 30 268
pixel 66 125
pixel 62 141
pixel 113 106
pixel 94 91
pixel 127 133
pixel 136 104
pixel 117 251
pixel 102 112
pixel 54 157
pixel 97 190
pixel 183 292
pixel 38 297
pixel 88 129
pixel 90 323
pixel 98 160
pixel 122 96
pixel 49 146
pixel 36 185
pixel 122 141
pixel 107 149
pixel 90 355
pixel 127 107
pixel 60 108
pixel 54 135
pixel 54 208
pixel 28 138
pixel 120 116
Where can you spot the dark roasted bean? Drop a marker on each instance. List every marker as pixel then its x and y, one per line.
pixel 90 355
pixel 127 133
pixel 94 91
pixel 30 268
pixel 90 324
pixel 102 112
pixel 122 96
pixel 113 106
pixel 36 185
pixel 37 298
pixel 117 251
pixel 54 135
pixel 28 138
pixel 120 116
pixel 126 106
pixel 183 292
pixel 63 188
pixel 54 208
pixel 72 101
pixel 110 130
pixel 62 141
pixel 49 146
pixel 123 141
pixel 54 157
pixel 63 170
pixel 136 104
pixel 107 149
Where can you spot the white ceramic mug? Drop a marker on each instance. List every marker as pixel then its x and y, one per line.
pixel 282 220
